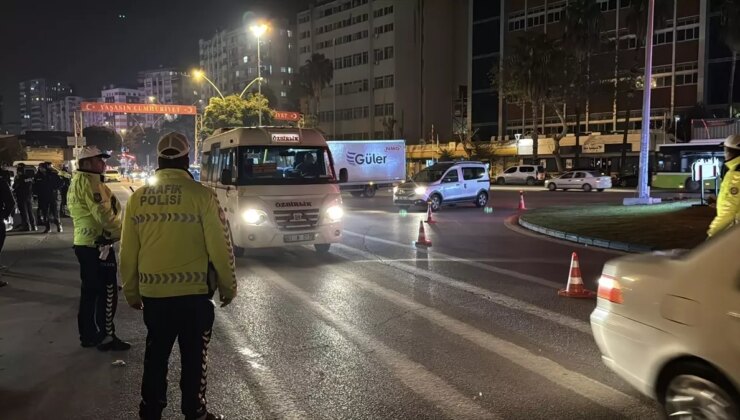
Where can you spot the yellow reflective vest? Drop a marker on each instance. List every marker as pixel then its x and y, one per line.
pixel 172 229
pixel 94 210
pixel 728 201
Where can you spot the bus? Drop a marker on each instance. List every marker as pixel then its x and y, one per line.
pixel 673 163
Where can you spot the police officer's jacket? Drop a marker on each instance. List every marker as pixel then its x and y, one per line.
pixel 46 185
pixel 728 201
pixel 173 230
pixel 94 209
pixel 23 185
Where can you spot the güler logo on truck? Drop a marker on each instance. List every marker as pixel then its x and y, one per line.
pixel 365 159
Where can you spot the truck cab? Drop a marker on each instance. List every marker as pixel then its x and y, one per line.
pixel 276 185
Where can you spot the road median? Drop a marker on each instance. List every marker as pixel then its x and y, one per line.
pixel 624 228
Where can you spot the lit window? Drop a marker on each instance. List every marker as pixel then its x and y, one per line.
pixel 246 59
pixel 283 94
pixel 290 70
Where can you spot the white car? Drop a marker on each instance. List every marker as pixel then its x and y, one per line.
pixel 669 324
pixel 112 175
pixel 522 174
pixel 445 183
pixel 580 180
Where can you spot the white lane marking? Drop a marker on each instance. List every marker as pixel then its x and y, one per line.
pixel 278 401
pixel 497 298
pixel 588 388
pixel 497 270
pixel 413 375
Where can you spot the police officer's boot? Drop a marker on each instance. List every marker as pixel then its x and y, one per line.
pixel 59 227
pixel 113 343
pixel 48 227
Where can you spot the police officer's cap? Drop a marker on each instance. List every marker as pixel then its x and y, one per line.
pixel 91 152
pixel 733 142
pixel 175 144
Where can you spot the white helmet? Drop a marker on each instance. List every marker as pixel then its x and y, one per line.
pixel 175 142
pixel 91 152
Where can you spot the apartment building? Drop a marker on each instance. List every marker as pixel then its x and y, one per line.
pixel 35 96
pixel 399 67
pixel 229 59
pixel 61 113
pixel 123 122
pixel 168 86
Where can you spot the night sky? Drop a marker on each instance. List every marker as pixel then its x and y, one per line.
pixel 86 42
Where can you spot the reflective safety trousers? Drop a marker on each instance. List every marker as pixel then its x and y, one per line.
pixel 173 230
pixel 728 201
pixel 93 208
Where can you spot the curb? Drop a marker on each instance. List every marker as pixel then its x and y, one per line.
pixel 585 240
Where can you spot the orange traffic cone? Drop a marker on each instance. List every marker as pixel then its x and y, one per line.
pixel 522 206
pixel 430 218
pixel 575 287
pixel 422 241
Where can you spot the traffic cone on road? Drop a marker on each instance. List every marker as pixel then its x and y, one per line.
pixel 522 206
pixel 430 218
pixel 575 288
pixel 422 240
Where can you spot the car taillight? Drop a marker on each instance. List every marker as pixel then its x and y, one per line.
pixel 609 289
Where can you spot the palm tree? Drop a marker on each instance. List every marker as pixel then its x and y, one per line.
pixel 731 35
pixel 527 76
pixel 581 35
pixel 317 73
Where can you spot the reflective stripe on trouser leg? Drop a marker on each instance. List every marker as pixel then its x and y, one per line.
pixel 204 371
pixel 110 290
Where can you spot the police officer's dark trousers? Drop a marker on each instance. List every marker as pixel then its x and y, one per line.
pixel 49 210
pixel 98 294
pixel 189 319
pixel 25 208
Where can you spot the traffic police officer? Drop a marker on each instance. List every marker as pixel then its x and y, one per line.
pixel 728 201
pixel 175 252
pixel 97 223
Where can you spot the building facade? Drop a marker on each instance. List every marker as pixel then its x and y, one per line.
pixel 34 99
pixel 400 68
pixel 61 113
pixel 123 122
pixel 229 60
pixel 168 86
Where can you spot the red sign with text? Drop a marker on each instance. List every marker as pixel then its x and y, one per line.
pixel 119 107
pixel 287 116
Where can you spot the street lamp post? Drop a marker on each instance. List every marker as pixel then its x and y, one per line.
pixel 198 74
pixel 258 31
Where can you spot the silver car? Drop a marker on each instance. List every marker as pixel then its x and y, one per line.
pixel 445 183
pixel 580 180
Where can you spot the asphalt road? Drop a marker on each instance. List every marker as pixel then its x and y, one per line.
pixel 471 328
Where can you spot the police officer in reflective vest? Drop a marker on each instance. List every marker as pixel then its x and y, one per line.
pixel 97 223
pixel 175 252
pixel 728 201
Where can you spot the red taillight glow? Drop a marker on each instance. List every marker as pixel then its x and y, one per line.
pixel 610 290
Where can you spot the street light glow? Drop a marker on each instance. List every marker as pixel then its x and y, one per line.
pixel 259 30
pixel 152 99
pixel 197 74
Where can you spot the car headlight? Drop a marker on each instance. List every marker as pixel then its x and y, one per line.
pixel 335 213
pixel 420 190
pixel 395 190
pixel 254 217
pixel 152 180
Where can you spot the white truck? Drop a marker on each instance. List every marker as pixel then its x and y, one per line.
pixel 276 185
pixel 369 164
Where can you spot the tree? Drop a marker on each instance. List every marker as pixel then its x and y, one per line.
pixel 316 74
pixel 582 36
pixel 133 138
pixel 254 105
pixel 731 36
pixel 446 156
pixel 103 138
pixel 233 111
pixel 11 150
pixel 527 76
